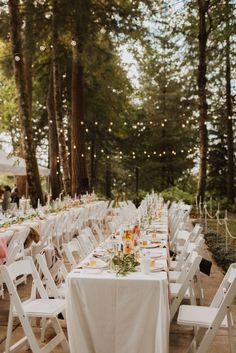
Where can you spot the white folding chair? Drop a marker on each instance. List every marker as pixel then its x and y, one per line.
pixel 184 287
pixel 31 308
pixel 73 252
pixel 47 229
pixel 99 233
pixel 16 250
pixel 209 319
pixel 47 279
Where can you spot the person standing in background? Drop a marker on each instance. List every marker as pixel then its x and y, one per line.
pixel 15 196
pixel 6 198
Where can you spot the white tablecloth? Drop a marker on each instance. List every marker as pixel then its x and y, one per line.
pixel 109 314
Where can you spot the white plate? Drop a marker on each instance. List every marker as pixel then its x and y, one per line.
pixel 99 264
pixel 157 268
pixel 150 246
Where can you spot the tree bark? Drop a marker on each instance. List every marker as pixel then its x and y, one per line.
pixel 78 155
pixel 33 179
pixel 108 179
pixel 58 103
pixel 203 6
pixel 53 142
pixel 229 113
pixel 29 47
pixel 78 150
pixel 92 165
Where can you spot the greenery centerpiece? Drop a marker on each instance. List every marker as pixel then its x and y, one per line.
pixel 122 264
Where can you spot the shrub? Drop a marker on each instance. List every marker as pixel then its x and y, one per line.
pixel 176 194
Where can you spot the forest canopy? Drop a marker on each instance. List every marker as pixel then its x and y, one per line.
pixel 69 99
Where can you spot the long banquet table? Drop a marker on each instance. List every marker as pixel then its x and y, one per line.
pixel 107 313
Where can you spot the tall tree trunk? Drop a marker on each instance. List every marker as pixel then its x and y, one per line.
pixel 53 142
pixel 229 113
pixel 34 185
pixel 78 151
pixel 78 157
pixel 58 102
pixel 108 179
pixel 29 47
pixel 92 165
pixel 203 6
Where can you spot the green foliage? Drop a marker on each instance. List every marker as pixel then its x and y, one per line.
pixel 124 263
pixel 174 193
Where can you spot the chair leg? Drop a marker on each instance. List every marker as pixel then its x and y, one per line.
pixel 199 334
pixel 9 331
pixel 43 329
pixel 200 288
pixel 231 336
pixel 58 330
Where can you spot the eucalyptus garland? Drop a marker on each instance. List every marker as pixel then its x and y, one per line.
pixel 122 264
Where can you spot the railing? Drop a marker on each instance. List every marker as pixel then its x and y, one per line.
pixel 204 213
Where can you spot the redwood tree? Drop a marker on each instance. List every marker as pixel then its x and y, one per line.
pixel 33 179
pixel 58 101
pixel 53 141
pixel 229 112
pixel 203 8
pixel 78 156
